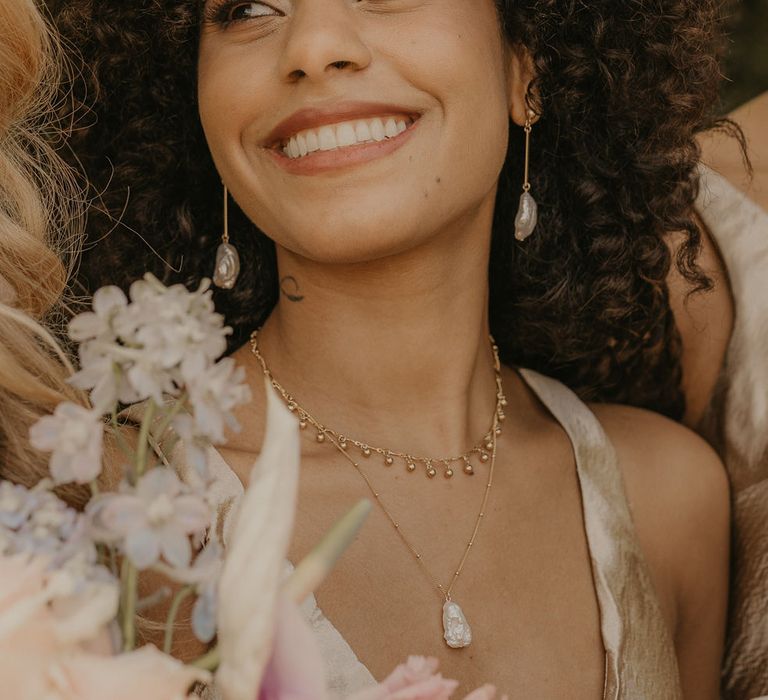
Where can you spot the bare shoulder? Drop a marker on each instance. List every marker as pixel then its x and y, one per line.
pixel 678 493
pixel 668 469
pixel 722 153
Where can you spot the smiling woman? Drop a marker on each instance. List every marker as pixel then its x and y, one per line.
pixel 377 151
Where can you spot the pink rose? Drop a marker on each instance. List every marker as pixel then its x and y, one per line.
pixel 28 641
pixel 38 661
pixel 417 679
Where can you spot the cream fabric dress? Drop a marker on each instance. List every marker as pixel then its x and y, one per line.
pixel 736 423
pixel 640 661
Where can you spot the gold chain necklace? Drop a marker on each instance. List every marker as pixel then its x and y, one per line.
pixel 456 630
pixel 481 451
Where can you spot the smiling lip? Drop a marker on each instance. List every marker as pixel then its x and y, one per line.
pixel 323 161
pixel 314 117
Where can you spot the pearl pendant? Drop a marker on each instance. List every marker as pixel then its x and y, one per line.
pixel 456 630
pixel 527 216
pixel 227 266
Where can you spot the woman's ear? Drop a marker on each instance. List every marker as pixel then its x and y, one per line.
pixel 520 73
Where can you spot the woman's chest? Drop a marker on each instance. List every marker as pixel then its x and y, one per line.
pixel 525 585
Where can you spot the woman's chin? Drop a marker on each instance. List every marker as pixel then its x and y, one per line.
pixel 351 247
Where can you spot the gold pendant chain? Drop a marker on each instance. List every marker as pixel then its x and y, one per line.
pixel 341 445
pixel 482 450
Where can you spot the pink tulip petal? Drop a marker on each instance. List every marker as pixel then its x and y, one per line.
pixel 296 670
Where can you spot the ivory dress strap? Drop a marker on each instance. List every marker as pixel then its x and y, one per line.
pixel 640 654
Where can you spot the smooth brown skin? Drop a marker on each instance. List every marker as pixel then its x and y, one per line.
pixel 382 288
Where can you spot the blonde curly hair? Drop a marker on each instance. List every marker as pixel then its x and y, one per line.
pixel 41 228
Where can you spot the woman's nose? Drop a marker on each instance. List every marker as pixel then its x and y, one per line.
pixel 323 38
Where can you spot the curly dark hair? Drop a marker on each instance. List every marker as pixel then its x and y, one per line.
pixel 623 88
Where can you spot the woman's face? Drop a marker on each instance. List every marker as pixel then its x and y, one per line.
pixel 348 130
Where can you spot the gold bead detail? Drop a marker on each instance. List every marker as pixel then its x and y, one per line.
pixel 367 451
pixel 431 472
pixel 302 424
pixel 389 461
pixel 489 445
pixel 411 467
pixel 484 457
pixel 469 469
pixel 448 473
pixel 320 437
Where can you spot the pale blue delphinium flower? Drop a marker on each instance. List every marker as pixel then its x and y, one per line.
pixel 73 435
pixel 16 503
pixel 204 574
pixel 37 523
pixel 153 520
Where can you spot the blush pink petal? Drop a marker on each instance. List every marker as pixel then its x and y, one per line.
pixel 295 670
pixel 417 679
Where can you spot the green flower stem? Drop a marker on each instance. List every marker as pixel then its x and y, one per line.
pixel 178 599
pixel 129 576
pixel 170 415
pixel 140 464
pixel 210 661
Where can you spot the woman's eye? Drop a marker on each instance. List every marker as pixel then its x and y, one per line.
pixel 226 13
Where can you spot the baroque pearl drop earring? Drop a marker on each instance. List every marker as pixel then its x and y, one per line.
pixel 527 213
pixel 227 266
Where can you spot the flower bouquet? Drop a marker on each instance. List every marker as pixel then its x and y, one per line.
pixel 70 606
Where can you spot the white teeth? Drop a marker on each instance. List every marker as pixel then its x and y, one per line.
pixel 377 130
pixel 327 138
pixel 333 136
pixel 312 143
pixel 390 129
pixel 363 131
pixel 302 141
pixel 345 135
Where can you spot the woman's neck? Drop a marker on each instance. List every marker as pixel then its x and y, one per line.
pixel 393 352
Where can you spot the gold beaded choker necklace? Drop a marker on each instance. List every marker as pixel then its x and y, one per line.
pixel 456 630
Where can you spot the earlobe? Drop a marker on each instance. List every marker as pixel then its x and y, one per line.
pixel 520 75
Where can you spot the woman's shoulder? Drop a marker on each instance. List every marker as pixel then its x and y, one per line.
pixel 723 154
pixel 659 454
pixel 678 494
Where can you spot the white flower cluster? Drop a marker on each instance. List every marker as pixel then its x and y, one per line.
pixel 159 347
pixel 165 339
